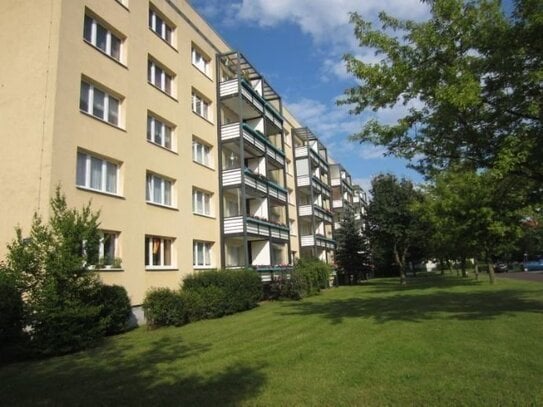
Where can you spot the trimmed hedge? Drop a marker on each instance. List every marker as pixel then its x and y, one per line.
pixel 204 295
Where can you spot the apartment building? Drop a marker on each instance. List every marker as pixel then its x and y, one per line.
pixel 342 192
pixel 182 145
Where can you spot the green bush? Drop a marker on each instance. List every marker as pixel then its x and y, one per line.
pixel 307 278
pixel 116 308
pixel 11 311
pixel 164 307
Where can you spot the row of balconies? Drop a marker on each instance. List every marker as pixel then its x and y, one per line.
pixel 306 151
pixel 256 227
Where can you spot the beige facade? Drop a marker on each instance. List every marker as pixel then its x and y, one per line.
pixel 118 102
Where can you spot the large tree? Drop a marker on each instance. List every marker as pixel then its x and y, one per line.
pixel 472 76
pixel 351 252
pixel 392 223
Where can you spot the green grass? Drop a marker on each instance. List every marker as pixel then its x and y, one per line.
pixel 439 341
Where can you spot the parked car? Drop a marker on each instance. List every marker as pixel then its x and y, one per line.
pixel 501 267
pixel 533 265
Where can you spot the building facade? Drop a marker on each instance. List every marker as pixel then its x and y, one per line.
pixel 181 144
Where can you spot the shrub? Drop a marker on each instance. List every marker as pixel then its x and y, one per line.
pixel 164 307
pixel 307 278
pixel 11 311
pixel 116 308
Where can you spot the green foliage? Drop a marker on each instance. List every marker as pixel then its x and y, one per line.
pixel 307 278
pixel 204 295
pixel 351 252
pixel 11 310
pixel 66 308
pixel 115 308
pixel 164 307
pixel 471 77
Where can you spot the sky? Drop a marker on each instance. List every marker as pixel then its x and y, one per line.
pixel 298 46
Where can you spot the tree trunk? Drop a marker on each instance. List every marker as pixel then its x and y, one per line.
pixel 491 276
pixel 400 261
pixel 463 267
pixel 476 269
pixel 442 266
pixel 449 264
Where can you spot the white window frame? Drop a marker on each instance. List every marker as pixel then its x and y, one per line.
pixel 165 130
pixel 199 148
pixel 159 25
pixel 202 199
pixel 108 100
pixel 110 36
pixel 201 61
pixel 203 249
pixel 201 106
pixel 101 248
pixel 153 181
pixel 163 242
pixel 87 175
pixel 153 68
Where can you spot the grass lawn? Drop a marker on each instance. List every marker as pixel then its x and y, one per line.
pixel 439 341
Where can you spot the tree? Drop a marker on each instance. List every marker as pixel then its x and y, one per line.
pixel 391 221
pixel 51 268
pixel 351 251
pixel 471 76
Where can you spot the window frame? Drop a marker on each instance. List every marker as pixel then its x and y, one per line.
pixel 101 247
pixel 150 190
pixel 206 254
pixel 165 75
pixel 197 53
pixel 205 152
pixel 148 252
pixel 110 35
pixel 91 103
pixel 206 202
pixel 167 29
pixel 205 111
pixel 152 121
pixel 87 175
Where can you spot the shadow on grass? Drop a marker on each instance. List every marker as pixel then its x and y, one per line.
pixel 423 281
pixel 479 305
pixel 130 373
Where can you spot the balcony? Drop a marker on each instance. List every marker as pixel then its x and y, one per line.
pixel 305 151
pixel 256 227
pixel 309 210
pixel 257 182
pixel 318 240
pixel 234 87
pixel 255 139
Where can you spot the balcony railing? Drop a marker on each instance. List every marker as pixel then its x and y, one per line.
pixel 235 86
pixel 255 181
pixel 304 151
pixel 254 138
pixel 308 210
pixel 257 227
pixel 317 240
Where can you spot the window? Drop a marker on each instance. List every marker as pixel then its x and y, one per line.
pixel 108 249
pixel 159 190
pixel 201 256
pixel 159 132
pixel 102 38
pixel 200 106
pixel 158 252
pixel 292 227
pixel 160 27
pixel 157 76
pixel 99 103
pixel 96 173
pixel 201 153
pixel 201 62
pixel 201 202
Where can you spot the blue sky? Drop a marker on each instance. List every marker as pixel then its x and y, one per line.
pixel 298 46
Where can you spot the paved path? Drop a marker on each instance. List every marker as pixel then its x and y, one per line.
pixel 528 276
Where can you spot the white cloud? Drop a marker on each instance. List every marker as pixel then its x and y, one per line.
pixel 371 152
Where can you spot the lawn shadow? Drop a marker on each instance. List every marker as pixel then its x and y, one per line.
pixel 422 281
pixel 479 305
pixel 131 373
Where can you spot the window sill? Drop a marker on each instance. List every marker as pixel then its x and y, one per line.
pixel 162 147
pixel 203 73
pixel 163 40
pixel 203 267
pixel 163 91
pixel 172 208
pixel 97 191
pixel 107 270
pixel 117 61
pixel 204 215
pixel 204 165
pixel 102 120
pixel 164 268
pixel 203 118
